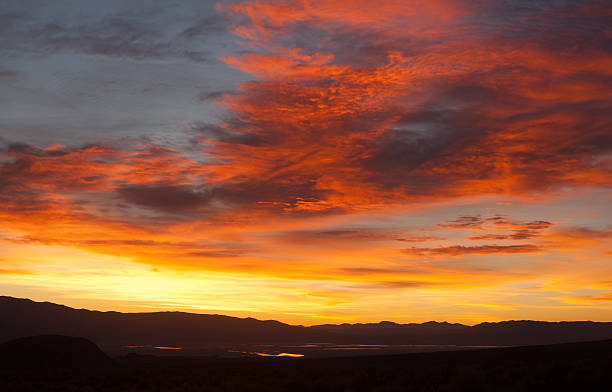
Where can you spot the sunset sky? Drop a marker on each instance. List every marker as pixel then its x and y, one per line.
pixel 310 161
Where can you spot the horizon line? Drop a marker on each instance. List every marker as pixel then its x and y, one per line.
pixel 306 326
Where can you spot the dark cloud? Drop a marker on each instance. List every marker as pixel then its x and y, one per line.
pixel 516 235
pixel 585 232
pixel 205 27
pixel 463 222
pixel 489 237
pixel 524 234
pixel 112 35
pixel 213 95
pixel 504 222
pixel 166 198
pixel 271 195
pixel 281 193
pixel 459 250
pixel 29 171
pixel 519 230
pixel 335 235
pixel 230 135
pixel 393 158
pixel 419 239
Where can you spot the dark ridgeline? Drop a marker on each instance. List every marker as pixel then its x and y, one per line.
pixel 22 317
pixel 52 352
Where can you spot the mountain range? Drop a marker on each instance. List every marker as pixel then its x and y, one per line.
pixel 23 317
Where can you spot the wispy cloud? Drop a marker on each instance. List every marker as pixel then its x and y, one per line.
pixel 111 35
pixel 459 250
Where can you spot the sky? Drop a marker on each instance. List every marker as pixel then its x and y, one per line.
pixel 309 161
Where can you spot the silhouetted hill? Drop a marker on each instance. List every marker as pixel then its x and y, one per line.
pixel 51 351
pixel 22 317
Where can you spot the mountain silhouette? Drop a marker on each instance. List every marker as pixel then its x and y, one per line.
pixel 51 351
pixel 23 317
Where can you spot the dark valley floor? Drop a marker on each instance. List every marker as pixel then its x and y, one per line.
pixel 585 366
